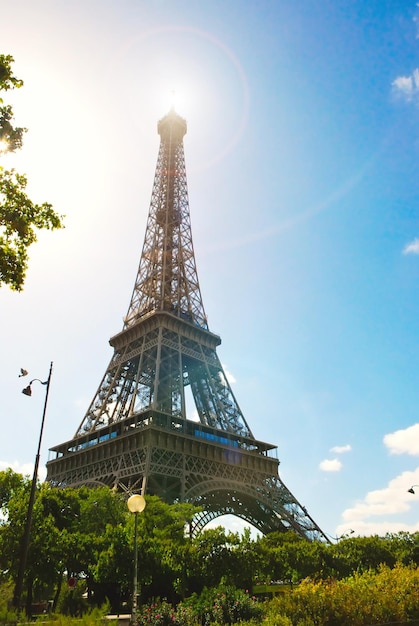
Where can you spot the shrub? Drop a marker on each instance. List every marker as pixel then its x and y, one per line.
pixel 223 605
pixel 158 614
pixel 7 615
pixel 391 595
pixel 72 601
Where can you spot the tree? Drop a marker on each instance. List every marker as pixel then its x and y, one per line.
pixel 70 528
pixel 11 484
pixel 360 554
pixel 20 218
pixel 219 556
pixel 164 548
pixel 87 533
pixel 288 557
pixel 404 546
pixel 46 547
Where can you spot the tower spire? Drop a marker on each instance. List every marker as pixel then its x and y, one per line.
pixel 167 279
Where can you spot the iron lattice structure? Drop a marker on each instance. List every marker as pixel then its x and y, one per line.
pixel 137 433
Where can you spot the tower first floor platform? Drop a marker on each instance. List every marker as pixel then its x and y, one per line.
pixel 184 461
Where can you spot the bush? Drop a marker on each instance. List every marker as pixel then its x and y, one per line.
pixel 72 601
pixel 391 595
pixel 157 614
pixel 7 615
pixel 223 605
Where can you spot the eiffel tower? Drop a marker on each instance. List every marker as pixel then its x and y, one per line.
pixel 137 434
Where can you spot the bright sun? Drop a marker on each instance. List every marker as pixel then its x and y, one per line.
pixel 4 146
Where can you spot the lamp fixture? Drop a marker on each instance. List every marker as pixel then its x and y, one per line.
pixel 28 390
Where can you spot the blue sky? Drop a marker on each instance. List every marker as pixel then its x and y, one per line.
pixel 302 160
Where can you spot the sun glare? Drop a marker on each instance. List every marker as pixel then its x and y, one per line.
pixel 179 99
pixel 4 146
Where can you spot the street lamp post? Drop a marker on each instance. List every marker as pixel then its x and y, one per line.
pixel 136 504
pixel 26 535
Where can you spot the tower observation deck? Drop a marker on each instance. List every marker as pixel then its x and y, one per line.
pixel 137 434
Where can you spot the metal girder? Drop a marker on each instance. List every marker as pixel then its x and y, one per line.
pixel 152 370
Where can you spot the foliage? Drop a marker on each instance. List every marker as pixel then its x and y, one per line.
pixel 291 558
pixel 360 554
pixel 404 546
pixel 273 619
pixel 223 605
pixel 88 533
pixel 70 529
pixel 218 554
pixel 185 615
pixel 164 548
pixel 20 218
pixel 7 615
pixel 11 484
pixel 158 614
pixel 93 617
pixel 10 137
pixel 72 601
pixel 389 595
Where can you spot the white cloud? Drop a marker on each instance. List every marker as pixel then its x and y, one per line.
pixel 412 247
pixel 330 465
pixel 381 503
pixel 363 528
pixel 341 449
pixel 229 376
pixel 407 87
pixel 404 441
pixel 23 468
pixel 334 465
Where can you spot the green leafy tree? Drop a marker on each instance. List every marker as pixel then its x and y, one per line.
pixel 70 529
pixel 404 546
pixel 20 217
pixel 95 521
pixel 11 484
pixel 46 546
pixel 287 557
pixel 360 554
pixel 88 533
pixel 219 555
pixel 164 548
pixel 212 556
